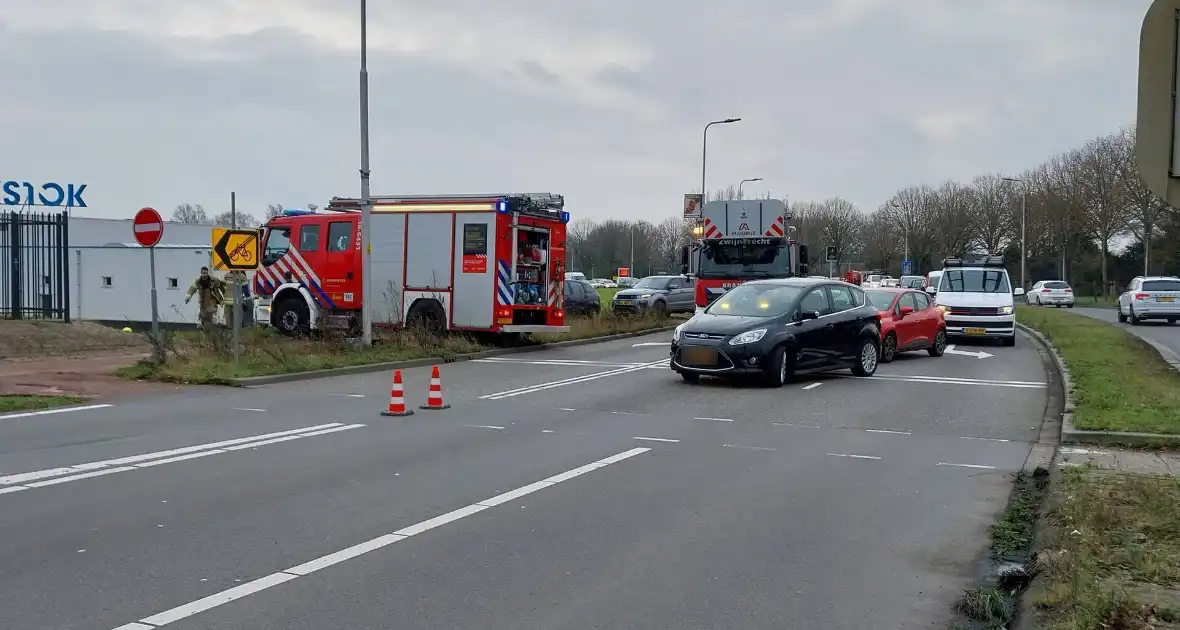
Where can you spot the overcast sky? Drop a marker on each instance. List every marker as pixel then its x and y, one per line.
pixel 162 102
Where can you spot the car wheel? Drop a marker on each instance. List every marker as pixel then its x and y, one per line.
pixel 868 355
pixel 1134 320
pixel 778 368
pixel 1008 341
pixel 937 348
pixel 889 348
pixel 690 377
pixel 1122 318
pixel 660 308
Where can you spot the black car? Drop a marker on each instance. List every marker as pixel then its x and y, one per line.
pixel 581 298
pixel 780 328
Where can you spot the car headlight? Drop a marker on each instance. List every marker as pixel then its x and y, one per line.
pixel 750 336
pixel 676 333
pixel 1006 310
pixel 645 296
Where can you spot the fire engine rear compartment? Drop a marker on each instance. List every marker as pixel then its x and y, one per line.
pixel 459 259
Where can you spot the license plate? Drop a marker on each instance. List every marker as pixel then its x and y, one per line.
pixel 699 356
pixel 975 331
pixel 1167 299
pixel 624 302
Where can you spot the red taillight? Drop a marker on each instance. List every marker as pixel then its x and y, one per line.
pixel 1142 296
pixel 504 312
pixel 1046 290
pixel 1069 290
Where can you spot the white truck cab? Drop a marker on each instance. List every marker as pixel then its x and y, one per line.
pixel 977 298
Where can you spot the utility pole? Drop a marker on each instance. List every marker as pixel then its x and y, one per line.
pixel 704 151
pixel 743 183
pixel 366 195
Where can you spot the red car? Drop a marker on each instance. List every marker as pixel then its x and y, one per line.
pixel 909 321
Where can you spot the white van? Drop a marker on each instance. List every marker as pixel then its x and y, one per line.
pixel 977 299
pixel 575 275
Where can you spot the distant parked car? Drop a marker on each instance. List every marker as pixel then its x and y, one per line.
pixel 626 282
pixel 1151 297
pixel 657 294
pixel 581 298
pixel 1051 293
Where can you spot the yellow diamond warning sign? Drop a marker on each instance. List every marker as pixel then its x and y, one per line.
pixel 235 249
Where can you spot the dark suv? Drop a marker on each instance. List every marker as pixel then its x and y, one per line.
pixel 581 298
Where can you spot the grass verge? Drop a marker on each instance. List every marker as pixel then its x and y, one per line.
pixel 1120 382
pixel 22 402
pixel 194 358
pixel 1112 559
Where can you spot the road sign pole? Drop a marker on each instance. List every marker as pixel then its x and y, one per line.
pixel 156 343
pixel 235 312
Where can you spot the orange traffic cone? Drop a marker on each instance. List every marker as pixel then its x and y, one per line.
pixel 434 399
pixel 397 398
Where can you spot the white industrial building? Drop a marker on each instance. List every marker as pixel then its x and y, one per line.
pixel 109 271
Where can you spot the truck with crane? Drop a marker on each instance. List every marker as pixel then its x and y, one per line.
pixel 490 263
pixel 741 240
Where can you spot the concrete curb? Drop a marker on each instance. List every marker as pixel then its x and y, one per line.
pixel 1045 448
pixel 368 368
pixel 1167 354
pixel 1073 435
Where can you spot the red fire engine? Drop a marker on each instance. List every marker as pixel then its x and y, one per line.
pixel 478 263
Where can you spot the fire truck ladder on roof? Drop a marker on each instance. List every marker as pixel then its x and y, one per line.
pixel 539 204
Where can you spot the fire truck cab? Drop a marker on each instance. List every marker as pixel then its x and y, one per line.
pixel 476 263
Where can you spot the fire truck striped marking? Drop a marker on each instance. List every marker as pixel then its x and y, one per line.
pixel 503 284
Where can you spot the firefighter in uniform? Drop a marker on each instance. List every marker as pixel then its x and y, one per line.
pixel 211 293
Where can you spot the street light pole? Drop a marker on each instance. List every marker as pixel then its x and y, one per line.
pixel 704 150
pixel 366 194
pixel 742 183
pixel 631 269
pixel 1023 227
pixel 905 229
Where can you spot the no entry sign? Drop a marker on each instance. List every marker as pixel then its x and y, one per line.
pixel 148 226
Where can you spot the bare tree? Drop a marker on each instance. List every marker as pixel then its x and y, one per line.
pixel 950 212
pixel 273 210
pixel 841 225
pixel 669 238
pixel 1101 175
pixel 190 213
pixel 243 219
pixel 991 212
pixel 1145 210
pixel 882 239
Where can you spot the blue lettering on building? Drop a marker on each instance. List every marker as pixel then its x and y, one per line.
pixel 14 193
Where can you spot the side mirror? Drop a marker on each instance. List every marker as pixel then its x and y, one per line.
pixel 906 310
pixel 802 256
pixel 1018 292
pixel 806 315
pixel 931 290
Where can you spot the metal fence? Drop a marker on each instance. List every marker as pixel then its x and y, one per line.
pixel 34 267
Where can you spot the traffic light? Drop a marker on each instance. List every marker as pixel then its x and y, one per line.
pixel 831 252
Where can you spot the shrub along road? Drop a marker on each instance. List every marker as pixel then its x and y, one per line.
pixel 572 488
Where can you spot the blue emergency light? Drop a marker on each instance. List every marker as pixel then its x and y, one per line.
pixel 502 206
pixel 296 212
pixel 565 217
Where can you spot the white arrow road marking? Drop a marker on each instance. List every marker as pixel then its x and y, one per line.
pixel 979 355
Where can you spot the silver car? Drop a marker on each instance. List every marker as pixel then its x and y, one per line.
pixel 1050 293
pixel 1151 297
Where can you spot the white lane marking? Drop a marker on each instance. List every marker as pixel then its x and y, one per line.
pixel 1081 451
pixel 484 426
pixel 812 386
pixel 853 456
pixel 752 448
pixel 948 380
pixel 651 439
pixel 562 363
pixel 791 424
pixel 565 409
pixel 568 381
pixel 274 579
pixel 964 437
pixel 889 432
pixel 349 395
pixel 628 413
pixel 967 466
pixel 99 469
pixel 46 412
pixel 249 409
pixel 978 355
pixel 135 459
pixel 715 419
pixel 546 431
pixel 651 343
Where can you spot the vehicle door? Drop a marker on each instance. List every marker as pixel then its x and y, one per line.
pixel 927 317
pixel 675 294
pixel 1127 296
pixel 813 335
pixel 309 244
pixel 842 325
pixel 340 271
pixel 687 301
pixel 590 299
pixel 910 326
pixel 572 295
pixel 1036 288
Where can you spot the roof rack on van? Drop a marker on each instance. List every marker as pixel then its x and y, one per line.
pixel 981 261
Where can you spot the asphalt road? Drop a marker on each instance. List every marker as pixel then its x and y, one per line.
pixel 580 488
pixel 1167 335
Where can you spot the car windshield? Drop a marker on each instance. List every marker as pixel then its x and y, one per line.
pixel 975 281
pixel 653 282
pixel 759 257
pixel 881 300
pixel 914 283
pixel 1056 285
pixel 756 300
pixel 1161 285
